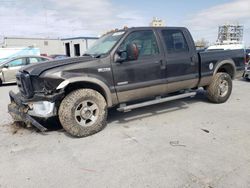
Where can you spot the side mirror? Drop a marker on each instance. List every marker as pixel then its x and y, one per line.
pixel 132 52
pixel 6 66
pixel 121 57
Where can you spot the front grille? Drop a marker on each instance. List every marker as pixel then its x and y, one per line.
pixel 24 84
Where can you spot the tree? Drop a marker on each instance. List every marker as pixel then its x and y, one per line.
pixel 202 43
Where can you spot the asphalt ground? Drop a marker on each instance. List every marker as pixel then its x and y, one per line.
pixel 184 143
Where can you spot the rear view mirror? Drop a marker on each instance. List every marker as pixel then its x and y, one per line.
pixel 132 52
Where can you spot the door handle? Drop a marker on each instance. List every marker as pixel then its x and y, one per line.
pixel 163 65
pixel 192 63
pixel 193 60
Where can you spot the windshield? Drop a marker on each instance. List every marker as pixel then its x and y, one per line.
pixel 104 44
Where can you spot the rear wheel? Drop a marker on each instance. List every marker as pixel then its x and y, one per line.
pixel 220 89
pixel 83 112
pixel 1 82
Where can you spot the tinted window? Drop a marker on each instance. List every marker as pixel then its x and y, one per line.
pixel 16 63
pixel 174 41
pixel 145 41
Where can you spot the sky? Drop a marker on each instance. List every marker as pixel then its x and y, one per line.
pixel 72 18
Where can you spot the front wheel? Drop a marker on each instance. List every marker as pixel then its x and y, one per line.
pixel 220 89
pixel 83 112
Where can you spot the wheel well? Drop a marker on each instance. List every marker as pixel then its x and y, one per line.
pixel 227 68
pixel 85 85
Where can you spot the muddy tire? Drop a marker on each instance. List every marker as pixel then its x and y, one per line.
pixel 83 112
pixel 220 89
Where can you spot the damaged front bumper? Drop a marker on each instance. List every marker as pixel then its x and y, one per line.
pixel 27 111
pixel 247 73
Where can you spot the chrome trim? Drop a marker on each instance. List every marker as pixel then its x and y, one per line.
pixel 62 84
pixel 122 83
pixel 156 101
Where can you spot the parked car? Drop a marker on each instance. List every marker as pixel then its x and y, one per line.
pixel 58 56
pixel 9 67
pixel 126 69
pixel 7 53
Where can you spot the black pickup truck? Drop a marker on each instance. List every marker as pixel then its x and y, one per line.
pixel 127 69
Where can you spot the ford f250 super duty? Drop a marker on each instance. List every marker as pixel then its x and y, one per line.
pixel 126 69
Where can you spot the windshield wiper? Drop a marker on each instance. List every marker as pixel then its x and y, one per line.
pixel 90 55
pixel 94 55
pixel 100 55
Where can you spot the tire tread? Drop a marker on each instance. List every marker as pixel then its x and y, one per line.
pixel 66 117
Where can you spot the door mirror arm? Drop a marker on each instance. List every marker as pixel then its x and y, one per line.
pixel 119 59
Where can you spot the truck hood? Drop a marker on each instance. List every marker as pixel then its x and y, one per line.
pixel 39 68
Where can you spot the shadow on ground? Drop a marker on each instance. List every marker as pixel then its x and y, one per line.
pixel 5 85
pixel 149 111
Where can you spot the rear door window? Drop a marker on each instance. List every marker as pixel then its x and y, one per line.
pixel 174 41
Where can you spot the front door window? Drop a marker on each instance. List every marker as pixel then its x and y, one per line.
pixel 145 41
pixel 17 63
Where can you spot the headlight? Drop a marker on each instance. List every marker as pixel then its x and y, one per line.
pixel 42 109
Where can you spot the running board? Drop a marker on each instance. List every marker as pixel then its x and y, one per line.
pixel 123 108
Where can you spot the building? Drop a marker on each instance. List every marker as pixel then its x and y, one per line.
pixel 47 46
pixel 156 22
pixel 77 46
pixel 70 46
pixel 230 34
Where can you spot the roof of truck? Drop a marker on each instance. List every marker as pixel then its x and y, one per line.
pixel 150 27
pixel 143 28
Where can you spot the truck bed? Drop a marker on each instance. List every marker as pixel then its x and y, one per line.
pixel 210 59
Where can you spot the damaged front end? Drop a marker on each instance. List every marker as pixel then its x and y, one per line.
pixel 20 112
pixel 29 107
pixel 246 74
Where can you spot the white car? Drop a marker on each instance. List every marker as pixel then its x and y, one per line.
pixel 9 67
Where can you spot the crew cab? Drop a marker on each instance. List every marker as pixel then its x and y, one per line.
pixel 127 69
